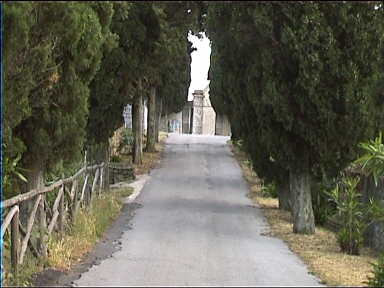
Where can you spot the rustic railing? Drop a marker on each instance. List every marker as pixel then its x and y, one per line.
pixel 68 200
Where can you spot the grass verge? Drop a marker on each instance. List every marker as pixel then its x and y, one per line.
pixel 320 252
pixel 88 227
pixel 80 237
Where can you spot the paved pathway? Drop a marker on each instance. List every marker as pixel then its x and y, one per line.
pixel 196 227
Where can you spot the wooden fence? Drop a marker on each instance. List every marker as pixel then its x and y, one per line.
pixel 65 206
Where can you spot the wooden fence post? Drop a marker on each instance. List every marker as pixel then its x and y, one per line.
pixel 56 210
pixel 82 190
pixel 31 221
pixel 87 196
pixel 101 179
pixel 61 211
pixel 94 182
pixel 15 243
pixel 42 245
pixel 74 200
pixel 107 172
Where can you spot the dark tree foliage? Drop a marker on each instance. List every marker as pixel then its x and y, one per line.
pixel 152 52
pixel 107 98
pixel 301 82
pixel 47 92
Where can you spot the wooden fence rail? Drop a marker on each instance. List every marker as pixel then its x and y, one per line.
pixel 56 215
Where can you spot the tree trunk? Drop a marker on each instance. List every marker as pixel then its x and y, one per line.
pixel 42 240
pixel 151 121
pixel 159 106
pixel 34 175
pixel 143 122
pixel 62 212
pixel 284 195
pixel 234 132
pixel 302 212
pixel 15 244
pixel 138 126
pixel 166 119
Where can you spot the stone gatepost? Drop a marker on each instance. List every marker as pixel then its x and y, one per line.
pixel 186 118
pixel 198 97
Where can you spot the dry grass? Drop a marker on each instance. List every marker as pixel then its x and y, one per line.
pixel 88 227
pixel 320 251
pixel 67 250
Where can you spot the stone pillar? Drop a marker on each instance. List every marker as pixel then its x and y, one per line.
pixel 198 97
pixel 209 116
pixel 186 116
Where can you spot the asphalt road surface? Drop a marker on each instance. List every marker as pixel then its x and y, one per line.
pixel 196 227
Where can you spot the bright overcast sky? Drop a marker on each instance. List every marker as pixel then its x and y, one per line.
pixel 200 64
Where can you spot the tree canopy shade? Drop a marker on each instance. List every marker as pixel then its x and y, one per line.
pixel 301 79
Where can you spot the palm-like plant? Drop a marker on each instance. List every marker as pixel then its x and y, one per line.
pixel 378 274
pixel 373 160
pixel 351 213
pixel 373 164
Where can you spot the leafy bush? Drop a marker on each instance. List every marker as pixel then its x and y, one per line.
pixel 127 140
pixel 12 173
pixel 115 158
pixel 373 164
pixel 378 273
pixel 238 143
pixel 351 212
pixel 323 208
pixel 269 190
pixel 373 160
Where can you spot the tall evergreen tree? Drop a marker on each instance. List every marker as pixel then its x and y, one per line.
pixel 302 87
pixel 171 77
pixel 58 60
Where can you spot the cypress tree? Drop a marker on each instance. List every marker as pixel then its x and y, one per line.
pixel 301 90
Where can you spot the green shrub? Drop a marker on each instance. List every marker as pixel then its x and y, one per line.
pixel 351 212
pixel 373 164
pixel 373 160
pixel 269 190
pixel 11 174
pixel 378 273
pixel 115 158
pixel 238 143
pixel 127 140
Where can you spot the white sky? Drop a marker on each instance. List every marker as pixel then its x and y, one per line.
pixel 200 64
